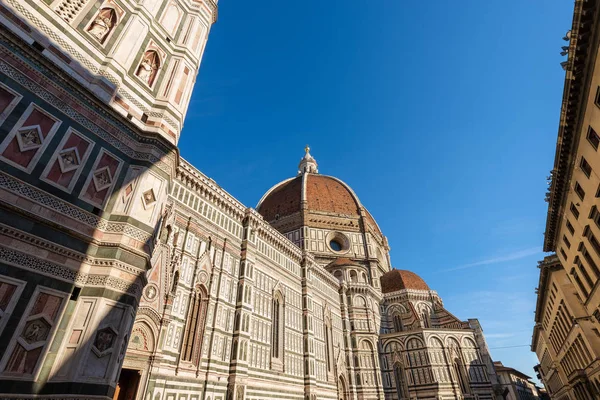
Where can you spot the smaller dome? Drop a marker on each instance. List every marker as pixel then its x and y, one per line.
pixel 400 279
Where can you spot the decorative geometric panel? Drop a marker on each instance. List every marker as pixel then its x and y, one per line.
pixel 128 191
pixel 9 295
pixel 148 198
pixel 36 328
pixel 25 143
pixel 30 137
pixel 8 101
pixel 102 179
pixel 66 163
pixel 68 159
pixel 104 341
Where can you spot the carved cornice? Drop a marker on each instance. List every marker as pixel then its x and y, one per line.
pixel 579 69
pixel 64 273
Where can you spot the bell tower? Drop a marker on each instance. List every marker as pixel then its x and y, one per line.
pixel 139 57
pixel 93 95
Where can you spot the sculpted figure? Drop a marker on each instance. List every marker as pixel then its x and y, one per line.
pixel 103 24
pixel 148 67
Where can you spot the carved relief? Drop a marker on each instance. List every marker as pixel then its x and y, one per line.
pixel 104 341
pixel 36 330
pixel 148 67
pixel 102 24
pixel 29 137
pixel 148 198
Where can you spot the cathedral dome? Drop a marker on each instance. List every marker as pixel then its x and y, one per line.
pixel 323 215
pixel 320 193
pixel 312 192
pixel 400 279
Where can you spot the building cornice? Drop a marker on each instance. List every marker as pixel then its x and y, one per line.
pixel 579 64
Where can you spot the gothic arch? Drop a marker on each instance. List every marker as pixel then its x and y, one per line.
pixel 142 337
pixel 277 323
pixel 360 301
pixel 103 23
pixel 451 341
pixel 170 18
pixel 435 341
pixel 353 276
pixel 393 345
pixel 194 327
pixel 366 344
pixel 424 312
pixel 414 343
pixel 469 343
pixel 396 308
pixel 147 71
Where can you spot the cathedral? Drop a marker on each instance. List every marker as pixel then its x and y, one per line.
pixel 126 273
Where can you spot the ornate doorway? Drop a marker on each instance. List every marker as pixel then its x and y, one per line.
pixel 127 385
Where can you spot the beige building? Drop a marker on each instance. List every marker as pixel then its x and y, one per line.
pixel 566 336
pixel 126 273
pixel 515 384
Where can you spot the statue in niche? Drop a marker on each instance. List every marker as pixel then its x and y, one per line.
pixel 148 67
pixel 103 24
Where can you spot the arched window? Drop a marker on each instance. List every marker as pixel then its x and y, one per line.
pixel 175 282
pixel 353 276
pixel 460 376
pixel 328 345
pixel 103 24
pixel 399 377
pixel 277 326
pixel 398 326
pixel 338 275
pixel 194 329
pixel 425 318
pixel 148 68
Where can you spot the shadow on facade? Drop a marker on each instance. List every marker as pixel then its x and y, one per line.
pixel 79 222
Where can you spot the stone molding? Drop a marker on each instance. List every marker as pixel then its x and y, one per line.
pixel 42 198
pixel 45 267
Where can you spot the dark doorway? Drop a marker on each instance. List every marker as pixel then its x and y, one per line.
pixel 127 386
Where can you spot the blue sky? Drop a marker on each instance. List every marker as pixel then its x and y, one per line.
pixel 441 115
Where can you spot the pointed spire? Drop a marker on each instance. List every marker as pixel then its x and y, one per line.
pixel 308 164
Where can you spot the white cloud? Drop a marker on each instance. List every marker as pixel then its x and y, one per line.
pixel 498 335
pixel 517 255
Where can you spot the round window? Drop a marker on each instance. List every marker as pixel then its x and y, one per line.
pixel 337 242
pixel 335 245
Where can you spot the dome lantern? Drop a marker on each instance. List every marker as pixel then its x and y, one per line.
pixel 308 164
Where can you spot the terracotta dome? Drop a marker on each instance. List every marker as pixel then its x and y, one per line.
pixel 315 200
pixel 399 279
pixel 320 192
